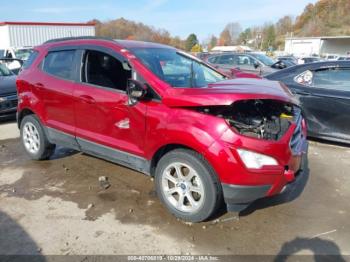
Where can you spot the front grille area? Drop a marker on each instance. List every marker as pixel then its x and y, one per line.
pixel 298 140
pixel 10 102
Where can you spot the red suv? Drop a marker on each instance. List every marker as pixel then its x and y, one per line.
pixel 167 114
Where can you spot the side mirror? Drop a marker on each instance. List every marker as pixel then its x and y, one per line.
pixel 256 64
pixel 135 91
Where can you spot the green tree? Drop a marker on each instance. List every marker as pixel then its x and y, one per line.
pixel 213 41
pixel 196 48
pixel 225 38
pixel 190 42
pixel 269 40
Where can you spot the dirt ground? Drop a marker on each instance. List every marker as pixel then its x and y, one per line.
pixel 57 207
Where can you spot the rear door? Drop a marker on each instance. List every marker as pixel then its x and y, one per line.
pixel 55 89
pixel 225 63
pixel 325 97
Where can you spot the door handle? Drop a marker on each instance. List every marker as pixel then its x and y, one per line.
pixel 87 99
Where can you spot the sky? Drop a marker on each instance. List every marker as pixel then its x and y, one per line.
pixel 179 17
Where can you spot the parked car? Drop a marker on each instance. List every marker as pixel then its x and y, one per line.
pixel 254 63
pixel 290 60
pixel 164 113
pixel 306 60
pixel 21 53
pixel 342 58
pixel 12 64
pixel 323 89
pixel 8 93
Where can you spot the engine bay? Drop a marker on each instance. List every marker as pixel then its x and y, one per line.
pixel 259 118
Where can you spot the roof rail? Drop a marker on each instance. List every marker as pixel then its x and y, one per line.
pixel 77 38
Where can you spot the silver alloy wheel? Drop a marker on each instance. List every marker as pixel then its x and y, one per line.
pixel 31 138
pixel 182 187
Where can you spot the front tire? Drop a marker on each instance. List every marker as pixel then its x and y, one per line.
pixel 187 185
pixel 34 139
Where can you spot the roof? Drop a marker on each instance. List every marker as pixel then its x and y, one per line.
pixel 140 44
pixel 46 24
pixel 319 37
pixel 123 43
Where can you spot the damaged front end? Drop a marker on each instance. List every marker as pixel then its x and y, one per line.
pixel 259 118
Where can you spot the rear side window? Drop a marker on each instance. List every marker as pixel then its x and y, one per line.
pixel 60 64
pixel 30 60
pixel 333 78
pixel 226 60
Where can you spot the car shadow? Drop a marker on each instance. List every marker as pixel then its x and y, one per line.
pixel 63 152
pixel 15 243
pixel 7 120
pixel 292 193
pixel 323 250
pixel 327 142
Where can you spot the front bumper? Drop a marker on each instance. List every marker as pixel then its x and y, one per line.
pixel 8 105
pixel 238 197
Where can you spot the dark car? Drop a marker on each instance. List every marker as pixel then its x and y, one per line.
pixel 254 63
pixel 324 92
pixel 288 60
pixel 306 60
pixel 8 93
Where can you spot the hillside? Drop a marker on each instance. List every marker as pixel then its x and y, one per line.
pixel 326 17
pixel 125 29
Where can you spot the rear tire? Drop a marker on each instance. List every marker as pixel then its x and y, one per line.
pixel 34 139
pixel 187 185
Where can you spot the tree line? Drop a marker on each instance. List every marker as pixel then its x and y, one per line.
pixel 325 17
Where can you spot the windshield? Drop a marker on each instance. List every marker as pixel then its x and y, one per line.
pixel 264 59
pixel 2 53
pixel 23 54
pixel 4 71
pixel 176 68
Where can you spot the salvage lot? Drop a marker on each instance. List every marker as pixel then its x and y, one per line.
pixel 58 207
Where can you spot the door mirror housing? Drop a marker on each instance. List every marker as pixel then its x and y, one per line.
pixel 256 64
pixel 136 91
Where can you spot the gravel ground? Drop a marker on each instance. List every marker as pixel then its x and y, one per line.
pixel 57 207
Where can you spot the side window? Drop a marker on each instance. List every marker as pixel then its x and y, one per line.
pixel 226 60
pixel 60 64
pixel 245 60
pixel 213 60
pixel 30 60
pixel 327 78
pixel 332 78
pixel 104 70
pixel 8 54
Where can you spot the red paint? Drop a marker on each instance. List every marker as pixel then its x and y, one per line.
pixel 91 113
pixel 47 23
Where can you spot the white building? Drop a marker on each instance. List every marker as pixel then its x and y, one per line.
pixel 23 34
pixel 322 46
pixel 232 48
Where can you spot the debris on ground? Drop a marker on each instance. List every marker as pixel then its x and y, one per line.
pixel 104 183
pixel 322 234
pixel 66 169
pixel 90 206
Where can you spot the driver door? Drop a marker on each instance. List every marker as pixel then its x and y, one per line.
pixel 105 124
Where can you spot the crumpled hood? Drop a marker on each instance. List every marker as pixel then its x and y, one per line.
pixel 7 85
pixel 228 91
